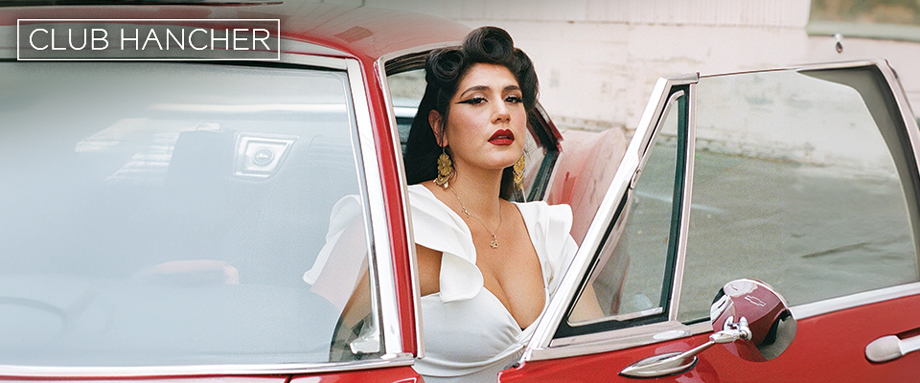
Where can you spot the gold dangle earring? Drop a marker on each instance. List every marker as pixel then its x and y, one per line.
pixel 519 172
pixel 445 169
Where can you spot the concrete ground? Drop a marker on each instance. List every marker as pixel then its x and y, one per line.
pixel 810 233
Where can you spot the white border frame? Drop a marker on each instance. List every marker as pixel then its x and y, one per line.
pixel 277 39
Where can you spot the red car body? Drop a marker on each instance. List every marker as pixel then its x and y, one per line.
pixel 829 345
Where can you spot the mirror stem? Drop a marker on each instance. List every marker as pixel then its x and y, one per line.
pixel 724 336
pixel 667 364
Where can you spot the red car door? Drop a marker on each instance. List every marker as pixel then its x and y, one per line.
pixel 805 179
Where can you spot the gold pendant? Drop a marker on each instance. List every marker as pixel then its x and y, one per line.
pixel 494 243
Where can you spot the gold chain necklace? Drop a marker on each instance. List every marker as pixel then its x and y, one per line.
pixel 494 242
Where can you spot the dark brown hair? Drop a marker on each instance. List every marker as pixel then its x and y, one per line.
pixel 444 69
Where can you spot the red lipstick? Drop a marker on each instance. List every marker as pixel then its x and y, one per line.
pixel 502 137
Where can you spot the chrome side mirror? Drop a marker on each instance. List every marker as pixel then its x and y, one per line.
pixel 751 319
pixel 755 308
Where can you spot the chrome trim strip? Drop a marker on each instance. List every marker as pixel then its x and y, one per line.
pixel 686 199
pixel 906 110
pixel 661 110
pixel 380 66
pixel 385 275
pixel 700 328
pixel 390 360
pixel 625 317
pixel 854 300
pixel 812 66
pixel 830 65
pixel 362 120
pixel 684 79
pixel 828 306
pixel 612 340
pixel 836 304
pixel 910 123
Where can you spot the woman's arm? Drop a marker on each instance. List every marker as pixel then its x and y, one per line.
pixel 429 270
pixel 587 307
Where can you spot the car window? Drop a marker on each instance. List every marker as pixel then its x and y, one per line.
pixel 407 87
pixel 406 91
pixel 176 214
pixel 800 180
pixel 634 268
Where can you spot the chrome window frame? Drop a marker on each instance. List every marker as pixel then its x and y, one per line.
pixel 830 305
pixel 385 299
pixel 648 141
pixel 827 306
pixel 380 263
pixel 380 67
pixel 543 347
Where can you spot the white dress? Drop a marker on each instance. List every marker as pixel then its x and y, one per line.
pixel 469 335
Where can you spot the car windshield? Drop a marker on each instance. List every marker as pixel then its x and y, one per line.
pixel 179 214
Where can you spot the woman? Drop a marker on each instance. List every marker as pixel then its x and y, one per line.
pixel 486 265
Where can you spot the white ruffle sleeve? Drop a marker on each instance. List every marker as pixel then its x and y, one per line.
pixel 439 228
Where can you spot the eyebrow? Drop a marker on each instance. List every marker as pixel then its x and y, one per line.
pixel 486 87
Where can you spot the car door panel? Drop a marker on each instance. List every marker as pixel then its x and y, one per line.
pixel 831 347
pixel 605 366
pixel 849 283
pixel 377 375
pixel 828 347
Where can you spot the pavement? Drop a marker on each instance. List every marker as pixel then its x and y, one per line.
pixel 809 231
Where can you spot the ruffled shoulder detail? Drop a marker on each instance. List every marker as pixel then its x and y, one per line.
pixel 549 227
pixel 437 227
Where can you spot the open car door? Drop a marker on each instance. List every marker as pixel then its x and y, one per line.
pixel 803 178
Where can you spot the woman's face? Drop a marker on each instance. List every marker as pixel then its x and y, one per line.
pixel 487 122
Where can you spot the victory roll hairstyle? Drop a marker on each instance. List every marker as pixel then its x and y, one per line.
pixel 444 68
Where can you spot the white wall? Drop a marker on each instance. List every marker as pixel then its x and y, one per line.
pixel 904 57
pixel 597 60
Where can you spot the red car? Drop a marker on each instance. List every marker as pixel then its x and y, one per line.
pixel 189 220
